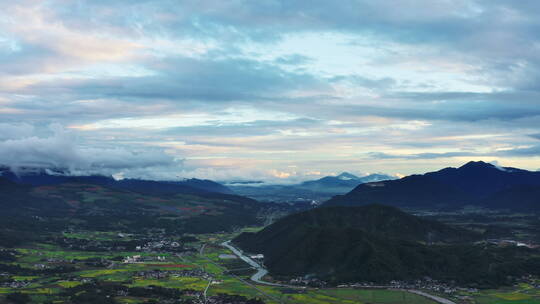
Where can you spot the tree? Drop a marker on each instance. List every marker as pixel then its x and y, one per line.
pixel 18 298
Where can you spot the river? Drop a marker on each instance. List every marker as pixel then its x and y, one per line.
pixel 261 272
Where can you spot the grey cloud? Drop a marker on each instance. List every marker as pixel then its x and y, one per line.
pixel 293 59
pixel 495 40
pixel 15 130
pixel 456 106
pixel 516 152
pixel 61 150
pixel 27 59
pixel 382 155
pixel 254 128
pixel 413 21
pixel 191 79
pixel 521 152
pixel 356 80
pixel 458 112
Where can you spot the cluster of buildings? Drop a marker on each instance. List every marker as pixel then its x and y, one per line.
pixel 506 242
pixel 427 284
pixel 163 274
pixel 198 273
pixel 305 281
pixel 159 246
pixel 154 274
pixel 430 284
pixel 141 259
pixel 531 280
pixel 259 256
pixel 199 298
pixel 15 284
pixel 41 266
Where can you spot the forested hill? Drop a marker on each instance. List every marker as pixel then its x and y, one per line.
pixel 378 243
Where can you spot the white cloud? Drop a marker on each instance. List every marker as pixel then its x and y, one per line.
pixel 62 149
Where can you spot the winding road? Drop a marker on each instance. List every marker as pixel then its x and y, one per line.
pixel 261 272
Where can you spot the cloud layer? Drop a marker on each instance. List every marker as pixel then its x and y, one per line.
pixel 61 150
pixel 268 89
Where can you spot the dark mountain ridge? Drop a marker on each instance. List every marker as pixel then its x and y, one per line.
pixel 480 179
pixel 475 183
pixel 43 176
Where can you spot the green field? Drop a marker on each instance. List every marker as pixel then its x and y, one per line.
pixel 521 294
pixel 51 288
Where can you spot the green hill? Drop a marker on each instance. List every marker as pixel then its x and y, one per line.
pixel 96 207
pixel 378 243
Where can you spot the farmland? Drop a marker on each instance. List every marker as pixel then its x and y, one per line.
pixel 47 272
pixel 178 269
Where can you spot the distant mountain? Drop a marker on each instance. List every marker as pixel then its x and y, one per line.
pixel 341 183
pixel 475 183
pixel 377 243
pixel 206 185
pixel 41 177
pixel 480 179
pixel 189 186
pixel 46 176
pixel 317 190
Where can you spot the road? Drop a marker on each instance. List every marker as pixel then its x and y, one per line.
pixel 205 293
pixel 270 297
pixel 430 296
pixel 201 251
pixel 261 272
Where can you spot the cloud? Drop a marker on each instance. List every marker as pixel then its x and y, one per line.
pixel 15 130
pixel 511 152
pixel 356 80
pixel 536 136
pixel 382 155
pixel 522 152
pixel 150 82
pixel 293 59
pixel 61 150
pixel 191 79
pixel 246 129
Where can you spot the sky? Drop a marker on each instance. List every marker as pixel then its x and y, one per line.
pixel 279 91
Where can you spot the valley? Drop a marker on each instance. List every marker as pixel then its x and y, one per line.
pixel 195 273
pixel 81 240
pixel 199 270
pixel 269 152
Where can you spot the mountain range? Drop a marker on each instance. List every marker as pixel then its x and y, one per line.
pixel 48 201
pixel 345 181
pixel 475 183
pixel 42 176
pixel 347 239
pixel 313 190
